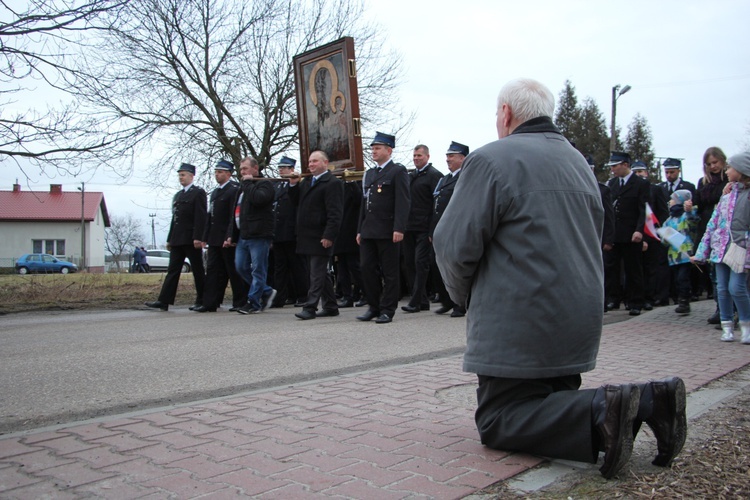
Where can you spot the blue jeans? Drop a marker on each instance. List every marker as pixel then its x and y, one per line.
pixel 251 261
pixel 732 287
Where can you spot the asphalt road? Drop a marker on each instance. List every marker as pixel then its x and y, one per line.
pixel 59 367
pixel 63 366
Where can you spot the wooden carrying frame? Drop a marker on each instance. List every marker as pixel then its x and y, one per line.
pixel 328 104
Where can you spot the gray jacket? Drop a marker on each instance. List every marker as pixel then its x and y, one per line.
pixel 519 244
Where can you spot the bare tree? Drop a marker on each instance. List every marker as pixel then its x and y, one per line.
pixel 199 80
pixel 35 43
pixel 124 233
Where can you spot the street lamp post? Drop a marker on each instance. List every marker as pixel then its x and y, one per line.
pixel 83 227
pixel 616 93
pixel 153 232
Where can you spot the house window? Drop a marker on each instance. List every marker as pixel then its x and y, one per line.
pixel 52 247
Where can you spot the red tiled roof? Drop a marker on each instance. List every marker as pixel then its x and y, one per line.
pixel 46 206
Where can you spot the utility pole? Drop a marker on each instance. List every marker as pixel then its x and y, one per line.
pixel 83 226
pixel 153 232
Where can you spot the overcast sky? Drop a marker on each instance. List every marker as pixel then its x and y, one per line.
pixel 688 63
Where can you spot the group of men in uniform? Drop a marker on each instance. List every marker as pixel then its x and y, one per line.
pixel 633 257
pixel 371 227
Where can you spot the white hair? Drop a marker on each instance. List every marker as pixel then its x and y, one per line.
pixel 527 99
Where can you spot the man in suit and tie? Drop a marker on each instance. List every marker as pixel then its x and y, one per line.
pixel 184 239
pixel 382 223
pixel 320 206
pixel 220 263
pixel 454 157
pixel 630 194
pixel 417 247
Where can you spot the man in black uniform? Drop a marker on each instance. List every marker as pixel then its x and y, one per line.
pixel 220 265
pixel 320 203
pixel 655 262
pixel 184 239
pixel 630 194
pixel 454 157
pixel 382 224
pixel 289 270
pixel 417 247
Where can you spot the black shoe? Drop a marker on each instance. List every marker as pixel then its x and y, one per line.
pixel 360 303
pixel 195 306
pixel 300 303
pixel 327 313
pixel 346 303
pixel 234 309
pixel 305 314
pixel 613 306
pixel 435 299
pixel 443 309
pixel 647 306
pixel 248 309
pixel 661 303
pixel 714 319
pixel 368 315
pixel 458 312
pixel 634 311
pixel 410 309
pixel 383 318
pixel 667 418
pixel 614 410
pixel 157 305
pixel 268 299
pixel 204 309
pixel 683 308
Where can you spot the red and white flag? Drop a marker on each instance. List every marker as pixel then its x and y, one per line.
pixel 651 222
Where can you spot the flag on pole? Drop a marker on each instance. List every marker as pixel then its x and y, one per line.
pixel 651 222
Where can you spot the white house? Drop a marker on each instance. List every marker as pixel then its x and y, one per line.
pixel 54 222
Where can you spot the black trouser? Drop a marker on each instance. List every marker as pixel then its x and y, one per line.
pixel 656 274
pixel 290 272
pixel 348 276
pixel 177 256
pixel 548 417
pixel 321 286
pixel 220 270
pixel 417 250
pixel 631 256
pixel 437 282
pixel 378 262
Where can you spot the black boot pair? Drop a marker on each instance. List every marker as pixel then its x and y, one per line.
pixel 619 411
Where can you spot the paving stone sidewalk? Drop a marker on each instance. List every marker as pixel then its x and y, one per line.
pixel 403 432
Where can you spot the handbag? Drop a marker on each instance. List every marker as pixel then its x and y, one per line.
pixel 734 257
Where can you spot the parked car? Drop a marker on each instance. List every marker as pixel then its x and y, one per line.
pixel 43 263
pixel 158 260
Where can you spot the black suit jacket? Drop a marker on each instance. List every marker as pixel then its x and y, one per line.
pixel 188 217
pixel 659 201
pixel 421 189
pixel 385 208
pixel 608 233
pixel 630 206
pixel 347 240
pixel 286 214
pixel 440 198
pixel 319 211
pixel 220 214
pixel 680 185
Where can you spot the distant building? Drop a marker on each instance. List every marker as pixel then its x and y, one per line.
pixel 50 222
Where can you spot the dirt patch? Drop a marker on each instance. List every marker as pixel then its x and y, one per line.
pixel 85 291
